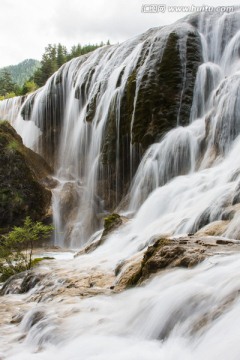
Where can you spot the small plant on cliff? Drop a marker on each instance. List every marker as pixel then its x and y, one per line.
pixel 16 248
pixel 12 146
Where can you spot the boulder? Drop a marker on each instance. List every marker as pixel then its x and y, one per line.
pixel 111 223
pixel 163 254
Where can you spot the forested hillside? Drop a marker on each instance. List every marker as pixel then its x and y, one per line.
pixel 31 74
pixel 22 71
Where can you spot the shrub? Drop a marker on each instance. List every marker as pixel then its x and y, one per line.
pixel 16 248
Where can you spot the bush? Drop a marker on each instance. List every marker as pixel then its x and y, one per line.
pixel 16 248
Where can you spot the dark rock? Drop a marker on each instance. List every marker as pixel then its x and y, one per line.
pixel 224 242
pixel 13 284
pixel 21 173
pixel 162 99
pixel 29 282
pixel 35 318
pixel 20 283
pixel 50 182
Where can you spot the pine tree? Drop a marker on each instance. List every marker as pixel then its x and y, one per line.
pixel 57 55
pixel 6 83
pixel 61 55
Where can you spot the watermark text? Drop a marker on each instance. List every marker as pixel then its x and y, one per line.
pixel 162 8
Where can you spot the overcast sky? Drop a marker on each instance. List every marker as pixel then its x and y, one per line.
pixel 27 26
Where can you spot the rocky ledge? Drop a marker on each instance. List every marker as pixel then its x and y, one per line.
pixel 167 253
pixel 52 279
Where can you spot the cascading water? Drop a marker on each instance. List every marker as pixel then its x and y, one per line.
pixel 92 128
pixel 188 314
pixel 79 121
pixel 213 131
pixel 188 179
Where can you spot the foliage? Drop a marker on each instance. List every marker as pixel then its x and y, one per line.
pixel 21 191
pixel 7 86
pixel 57 55
pixel 30 74
pixel 12 146
pixel 28 87
pixel 21 72
pixel 110 221
pixel 16 248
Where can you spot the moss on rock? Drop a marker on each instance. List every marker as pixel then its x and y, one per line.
pixel 21 171
pixel 156 98
pixel 164 253
pixel 111 222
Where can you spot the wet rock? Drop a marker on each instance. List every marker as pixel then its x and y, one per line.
pixel 16 319
pixel 13 284
pixel 215 228
pixel 29 282
pixel 163 254
pixel 50 183
pixel 21 283
pixel 69 199
pixel 227 242
pixel 167 253
pixel 35 317
pixel 130 274
pixel 156 97
pixel 21 175
pixel 111 223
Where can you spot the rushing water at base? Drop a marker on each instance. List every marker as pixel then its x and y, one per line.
pixel 183 314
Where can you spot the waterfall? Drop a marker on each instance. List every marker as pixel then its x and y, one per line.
pixel 94 121
pixel 176 151
pixel 103 128
pixel 200 151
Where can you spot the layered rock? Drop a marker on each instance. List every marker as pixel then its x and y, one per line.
pixel 166 254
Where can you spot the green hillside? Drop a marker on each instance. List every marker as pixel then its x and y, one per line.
pixel 22 71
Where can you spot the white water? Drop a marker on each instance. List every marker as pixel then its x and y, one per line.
pixel 206 150
pixel 71 132
pixel 197 151
pixel 182 314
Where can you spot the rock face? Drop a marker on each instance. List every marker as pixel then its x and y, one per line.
pixel 152 94
pixel 100 112
pixel 21 173
pixel 166 253
pixel 156 97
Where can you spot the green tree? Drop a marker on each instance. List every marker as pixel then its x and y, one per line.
pixel 61 55
pixel 6 83
pixel 16 248
pixel 29 86
pixel 57 55
pixel 48 65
